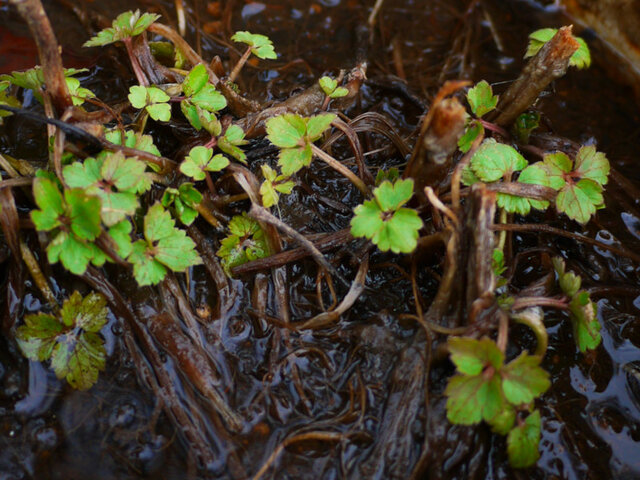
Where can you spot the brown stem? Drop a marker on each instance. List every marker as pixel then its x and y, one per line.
pixel 48 50
pixel 236 69
pixel 549 63
pixel 526 302
pixel 135 65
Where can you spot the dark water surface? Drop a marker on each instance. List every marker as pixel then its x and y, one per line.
pixel 287 383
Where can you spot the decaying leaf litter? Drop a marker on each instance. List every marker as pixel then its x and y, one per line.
pixel 463 226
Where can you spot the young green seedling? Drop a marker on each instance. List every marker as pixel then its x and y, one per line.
pixel 385 222
pixel 481 99
pixel 126 26
pixel 495 161
pixel 115 179
pixel 71 340
pixel 582 311
pixel 484 388
pixel 74 217
pixel 245 242
pixel 164 246
pixel 201 101
pixel 184 199
pixel 231 141
pixel 200 162
pixel 580 59
pixel 153 100
pixel 134 140
pixel 33 79
pixel 579 183
pixel 295 135
pixel 259 45
pixel 274 184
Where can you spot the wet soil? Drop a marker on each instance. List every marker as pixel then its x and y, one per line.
pixel 343 379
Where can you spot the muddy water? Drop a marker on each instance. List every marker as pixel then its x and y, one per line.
pixel 591 415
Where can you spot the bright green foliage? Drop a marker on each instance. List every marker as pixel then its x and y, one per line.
pixel 533 175
pixel 7 100
pixel 230 143
pixel 582 310
pixel 494 161
pixel 473 131
pixel 384 222
pixel 523 440
pixel 202 101
pixel 164 246
pixel 185 198
pixel 120 233
pixel 525 124
pixel 272 185
pixel 126 25
pixel 71 341
pixel 579 183
pixel 153 100
pixel 75 217
pixel 245 242
pixel 201 159
pixel 481 99
pixel 330 88
pixel 497 262
pixel 390 175
pixel 294 135
pixel 33 79
pixel 260 45
pixel 484 388
pixel 580 59
pixel 115 179
pixel 133 140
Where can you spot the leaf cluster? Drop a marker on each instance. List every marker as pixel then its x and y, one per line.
pixel 579 183
pixel 385 222
pixel 485 388
pixel 582 310
pixel 200 160
pixel 33 79
pixel 185 200
pixel 201 101
pixel 330 88
pixel 294 134
pixel 70 340
pixel 126 25
pixel 261 46
pixel 153 100
pixel 274 185
pixel 245 242
pixel 580 59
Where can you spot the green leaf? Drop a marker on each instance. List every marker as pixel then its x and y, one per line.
pixel 493 161
pixel 133 140
pixel 73 253
pixel 273 184
pixel 523 380
pixel 201 159
pixel 126 25
pixel 592 165
pixel 557 166
pixel 473 131
pixel 330 88
pixel 393 196
pixel 138 96
pixel 160 112
pixel 473 398
pixel 503 422
pixel 317 125
pixel 291 160
pixel 384 222
pixel 400 233
pixel 37 337
pixel 49 199
pixel 286 130
pixel 481 99
pixel 578 201
pixel 471 356
pixel 165 246
pixel 533 175
pixel 84 213
pixel 153 100
pixel 581 58
pixel 522 442
pixel 200 118
pixel 78 94
pixel 72 342
pixel 246 242
pixel 195 80
pixel 229 142
pixel 586 328
pixel 209 99
pixel 121 235
pixel 260 45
